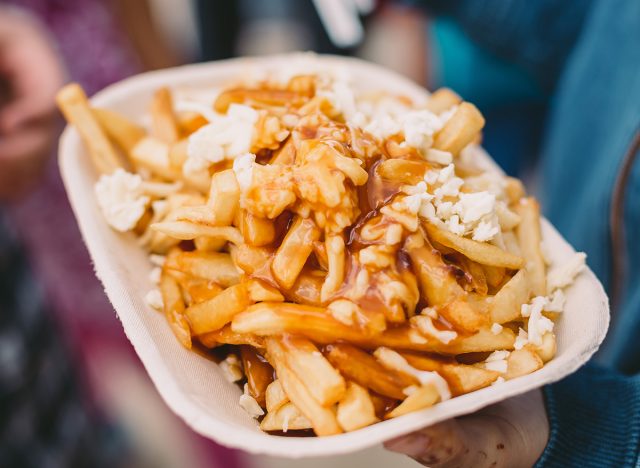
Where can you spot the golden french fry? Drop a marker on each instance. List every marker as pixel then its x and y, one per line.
pixel 422 397
pixel 74 105
pixel 548 349
pixel 275 396
pixel 529 237
pixel 355 409
pixel 286 417
pixel 477 274
pixel 153 155
pixel 480 252
pixel 164 124
pixel 224 197
pixel 460 130
pixel 214 266
pixel 226 336
pixel 460 377
pixel 514 190
pixel 178 154
pixel 442 100
pixel 215 313
pixel 403 171
pixel 505 306
pixel 209 244
pixel 120 129
pixel 522 362
pixel 256 231
pixel 254 261
pixel 362 368
pixel 269 319
pixel 336 262
pixel 323 382
pixel 174 309
pixel 286 154
pixel 260 291
pixel 199 290
pixel 496 276
pixel 322 419
pixel 189 122
pixel 294 251
pixel 259 373
pixel 306 289
pixel 186 230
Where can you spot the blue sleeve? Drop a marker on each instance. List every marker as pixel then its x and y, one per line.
pixel 594 418
pixel 536 35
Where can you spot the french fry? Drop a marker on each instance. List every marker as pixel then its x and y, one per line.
pixel 199 290
pixel 442 100
pixel 260 291
pixel 522 362
pixel 548 348
pixel 323 420
pixel 355 409
pixel 186 230
pixel 209 244
pixel 403 171
pixel 189 122
pixel 224 197
pixel 335 256
pixel 460 377
pixel 286 417
pixel 477 273
pixel 178 154
pixel 214 266
pixel 496 276
pixel 256 231
pixel 422 397
pixel 306 289
pixel 529 237
pixel 152 154
pixel 259 373
pixel 480 252
pixel 460 130
pixel 164 124
pixel 226 336
pixel 121 130
pixel 215 313
pixel 74 105
pixel 505 306
pixel 323 382
pixel 174 309
pixel 269 319
pixel 362 368
pixel 294 251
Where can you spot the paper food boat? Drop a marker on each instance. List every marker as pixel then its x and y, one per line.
pixel 194 387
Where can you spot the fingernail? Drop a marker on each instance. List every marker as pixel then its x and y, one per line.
pixel 412 445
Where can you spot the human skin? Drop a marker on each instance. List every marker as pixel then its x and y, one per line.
pixel 31 72
pixel 512 433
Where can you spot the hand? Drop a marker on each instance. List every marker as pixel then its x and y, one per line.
pixel 512 433
pixel 31 72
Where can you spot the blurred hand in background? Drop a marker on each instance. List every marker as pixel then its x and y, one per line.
pixel 30 74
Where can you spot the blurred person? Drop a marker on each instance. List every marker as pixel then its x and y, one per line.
pixel 586 56
pixel 48 352
pixel 44 419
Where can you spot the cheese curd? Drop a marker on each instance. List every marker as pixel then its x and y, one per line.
pixel 225 137
pixel 121 199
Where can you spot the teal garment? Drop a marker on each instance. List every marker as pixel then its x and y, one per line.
pixel 586 56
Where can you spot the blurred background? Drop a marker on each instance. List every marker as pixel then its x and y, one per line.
pixel 103 41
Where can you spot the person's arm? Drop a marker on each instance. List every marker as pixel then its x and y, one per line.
pixel 537 35
pixel 594 416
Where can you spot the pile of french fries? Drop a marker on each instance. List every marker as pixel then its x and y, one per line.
pixel 339 300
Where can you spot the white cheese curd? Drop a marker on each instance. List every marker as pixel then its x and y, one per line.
pixel 243 169
pixel 497 361
pixel 521 340
pixel 157 260
pixel 341 97
pixel 563 275
pixel 154 299
pixel 485 231
pixel 536 306
pixel 225 137
pixel 231 368
pixel 394 360
pixel 427 328
pixel 121 199
pixel 538 324
pixel 496 328
pixel 154 275
pixel 249 404
pixel 473 206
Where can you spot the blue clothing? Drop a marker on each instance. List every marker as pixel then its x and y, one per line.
pixel 586 55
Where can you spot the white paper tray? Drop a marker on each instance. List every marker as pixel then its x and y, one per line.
pixel 192 386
